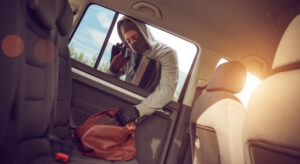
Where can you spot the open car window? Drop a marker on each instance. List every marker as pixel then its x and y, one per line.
pixel 96 33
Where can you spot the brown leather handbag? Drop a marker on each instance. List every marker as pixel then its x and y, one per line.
pixel 102 136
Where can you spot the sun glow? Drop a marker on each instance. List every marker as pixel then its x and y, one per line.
pixel 251 83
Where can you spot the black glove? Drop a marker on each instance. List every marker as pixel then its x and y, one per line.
pixel 126 115
pixel 116 49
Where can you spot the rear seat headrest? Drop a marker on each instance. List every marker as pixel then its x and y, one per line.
pixel 45 12
pixel 230 76
pixel 287 56
pixel 64 18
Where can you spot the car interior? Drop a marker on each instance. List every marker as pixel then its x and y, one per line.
pixel 54 62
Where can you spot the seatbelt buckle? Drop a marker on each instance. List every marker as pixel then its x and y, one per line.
pixel 62 157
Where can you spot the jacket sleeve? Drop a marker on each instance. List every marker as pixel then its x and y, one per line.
pixel 167 85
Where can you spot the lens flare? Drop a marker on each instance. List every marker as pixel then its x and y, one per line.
pixel 45 51
pixel 12 45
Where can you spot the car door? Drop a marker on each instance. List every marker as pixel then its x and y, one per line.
pixel 93 89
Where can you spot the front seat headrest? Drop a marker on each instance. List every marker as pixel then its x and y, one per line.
pixel 230 76
pixel 287 56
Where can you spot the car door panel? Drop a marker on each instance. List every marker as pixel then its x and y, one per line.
pixel 91 94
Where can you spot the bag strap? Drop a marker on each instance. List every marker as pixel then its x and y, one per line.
pixel 92 119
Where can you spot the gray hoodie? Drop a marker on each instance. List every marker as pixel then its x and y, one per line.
pixel 167 57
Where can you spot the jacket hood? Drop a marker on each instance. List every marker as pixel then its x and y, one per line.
pixel 148 37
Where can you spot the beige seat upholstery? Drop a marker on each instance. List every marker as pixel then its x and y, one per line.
pixel 272 121
pixel 217 116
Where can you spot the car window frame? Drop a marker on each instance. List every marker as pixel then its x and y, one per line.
pixel 111 79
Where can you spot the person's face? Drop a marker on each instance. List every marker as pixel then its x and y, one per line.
pixel 131 36
pixel 134 38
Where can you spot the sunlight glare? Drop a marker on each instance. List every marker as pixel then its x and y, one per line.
pixel 251 83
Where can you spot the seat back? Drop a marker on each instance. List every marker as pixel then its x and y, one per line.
pixel 271 130
pixel 216 118
pixel 11 52
pixel 36 80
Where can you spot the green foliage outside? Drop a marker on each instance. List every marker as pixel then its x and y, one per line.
pixel 177 93
pixel 81 57
pixel 104 66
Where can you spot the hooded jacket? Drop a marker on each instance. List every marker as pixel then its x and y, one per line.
pixel 167 57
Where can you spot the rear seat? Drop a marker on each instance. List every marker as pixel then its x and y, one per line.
pixel 9 66
pixel 31 90
pixel 33 79
pixel 62 122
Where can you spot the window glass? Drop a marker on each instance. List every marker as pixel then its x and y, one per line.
pixel 186 53
pixel 89 37
pixel 114 39
pixel 251 83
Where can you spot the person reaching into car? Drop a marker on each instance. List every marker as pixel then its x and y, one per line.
pixel 142 46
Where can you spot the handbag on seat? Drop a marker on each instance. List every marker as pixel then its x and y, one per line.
pixel 103 137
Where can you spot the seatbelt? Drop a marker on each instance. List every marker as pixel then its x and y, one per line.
pixel 61 144
pixel 198 92
pixel 61 149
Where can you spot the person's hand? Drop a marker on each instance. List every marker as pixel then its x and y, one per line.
pixel 117 63
pixel 126 115
pixel 116 49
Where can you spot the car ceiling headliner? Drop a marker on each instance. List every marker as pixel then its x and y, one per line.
pixel 234 28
